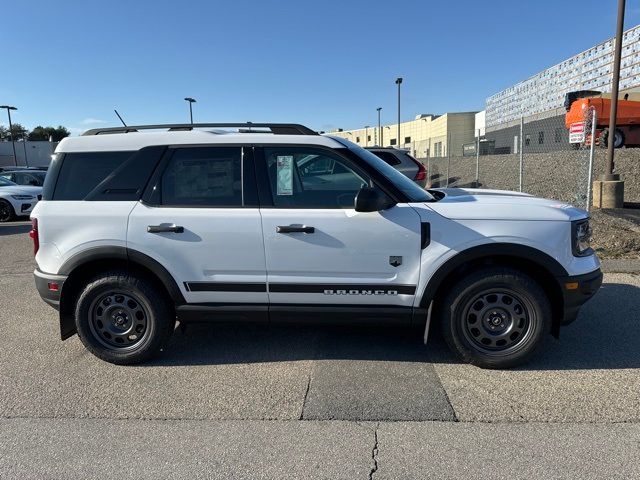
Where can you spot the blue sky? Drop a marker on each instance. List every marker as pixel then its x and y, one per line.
pixel 325 64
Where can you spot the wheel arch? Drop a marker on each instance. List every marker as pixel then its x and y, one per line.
pixel 540 266
pixel 82 266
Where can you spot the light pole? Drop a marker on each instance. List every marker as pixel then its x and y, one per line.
pixel 191 102
pixel 13 141
pixel 366 135
pixel 379 127
pixel 398 82
pixel 24 147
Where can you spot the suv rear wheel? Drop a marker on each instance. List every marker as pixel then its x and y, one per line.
pixel 123 319
pixel 495 318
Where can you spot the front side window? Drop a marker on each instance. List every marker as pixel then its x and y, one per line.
pixel 202 177
pixel 312 178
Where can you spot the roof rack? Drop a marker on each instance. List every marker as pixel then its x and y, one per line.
pixel 276 128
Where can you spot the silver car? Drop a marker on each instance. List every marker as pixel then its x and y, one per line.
pixel 403 162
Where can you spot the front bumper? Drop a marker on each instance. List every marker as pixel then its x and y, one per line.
pixel 49 287
pixel 576 290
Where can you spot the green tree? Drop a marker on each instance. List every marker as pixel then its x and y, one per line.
pixel 4 132
pixel 44 133
pixel 18 131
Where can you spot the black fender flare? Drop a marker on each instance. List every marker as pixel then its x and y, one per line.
pixel 131 257
pixel 531 254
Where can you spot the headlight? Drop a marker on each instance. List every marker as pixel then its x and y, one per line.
pixel 22 197
pixel 581 238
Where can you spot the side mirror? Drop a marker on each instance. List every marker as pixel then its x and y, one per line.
pixel 371 200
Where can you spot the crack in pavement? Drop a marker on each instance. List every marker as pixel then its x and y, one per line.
pixel 306 394
pixel 374 453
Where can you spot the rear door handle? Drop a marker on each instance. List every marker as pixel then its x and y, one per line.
pixel 294 229
pixel 173 228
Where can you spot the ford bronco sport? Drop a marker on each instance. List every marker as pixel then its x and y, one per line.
pixel 140 227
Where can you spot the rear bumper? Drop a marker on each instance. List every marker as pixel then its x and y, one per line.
pixel 576 290
pixel 45 282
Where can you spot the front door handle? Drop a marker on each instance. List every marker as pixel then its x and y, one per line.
pixel 294 229
pixel 164 228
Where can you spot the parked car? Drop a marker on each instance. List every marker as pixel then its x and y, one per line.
pixel 17 200
pixel 287 225
pixel 34 178
pixel 402 161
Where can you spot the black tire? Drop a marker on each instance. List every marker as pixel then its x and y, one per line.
pixel 470 313
pixel 6 211
pixel 123 319
pixel 618 140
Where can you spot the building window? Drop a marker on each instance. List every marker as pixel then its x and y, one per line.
pixel 357 139
pixel 527 140
pixel 540 138
pixel 368 138
pixel 392 141
pixel 407 139
pixel 558 135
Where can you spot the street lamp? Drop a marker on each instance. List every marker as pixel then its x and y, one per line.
pixel 379 127
pixel 191 102
pixel 398 82
pixel 13 142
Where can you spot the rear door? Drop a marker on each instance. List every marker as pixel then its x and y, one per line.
pixel 200 219
pixel 319 250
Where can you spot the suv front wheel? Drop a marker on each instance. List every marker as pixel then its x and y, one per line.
pixel 123 319
pixel 495 317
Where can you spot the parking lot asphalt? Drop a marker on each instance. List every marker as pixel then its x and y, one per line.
pixel 252 384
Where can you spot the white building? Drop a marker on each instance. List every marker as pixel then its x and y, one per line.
pixel 545 91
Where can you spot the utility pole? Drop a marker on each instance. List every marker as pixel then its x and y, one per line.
pixel 13 140
pixel 615 83
pixel 398 82
pixel 608 192
pixel 380 127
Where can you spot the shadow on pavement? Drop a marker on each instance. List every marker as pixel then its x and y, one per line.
pixel 224 344
pixel 606 335
pixel 14 228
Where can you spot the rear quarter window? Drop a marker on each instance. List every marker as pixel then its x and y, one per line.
pixel 81 172
pixel 388 157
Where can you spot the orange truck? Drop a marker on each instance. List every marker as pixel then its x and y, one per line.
pixel 578 105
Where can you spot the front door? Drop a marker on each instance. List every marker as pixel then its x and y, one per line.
pixel 319 250
pixel 200 220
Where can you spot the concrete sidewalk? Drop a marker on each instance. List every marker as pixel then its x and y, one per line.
pixel 151 449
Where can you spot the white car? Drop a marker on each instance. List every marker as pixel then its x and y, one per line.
pixel 17 200
pixel 275 223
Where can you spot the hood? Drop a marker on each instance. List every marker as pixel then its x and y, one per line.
pixel 479 204
pixel 21 190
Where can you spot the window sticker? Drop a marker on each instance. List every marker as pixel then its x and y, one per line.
pixel 284 175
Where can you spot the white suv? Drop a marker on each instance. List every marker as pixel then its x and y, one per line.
pixel 273 222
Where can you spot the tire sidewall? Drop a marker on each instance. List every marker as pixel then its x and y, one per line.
pixel 539 317
pixel 153 335
pixel 12 213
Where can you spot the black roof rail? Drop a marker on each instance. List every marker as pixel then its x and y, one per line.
pixel 276 128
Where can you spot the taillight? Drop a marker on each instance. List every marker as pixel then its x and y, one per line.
pixel 422 172
pixel 34 235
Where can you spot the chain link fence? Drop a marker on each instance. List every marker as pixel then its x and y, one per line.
pixel 532 155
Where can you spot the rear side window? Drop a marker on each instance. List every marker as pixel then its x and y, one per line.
pixel 388 157
pixel 204 177
pixel 81 172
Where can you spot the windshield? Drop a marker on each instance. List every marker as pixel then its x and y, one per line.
pixel 6 183
pixel 403 183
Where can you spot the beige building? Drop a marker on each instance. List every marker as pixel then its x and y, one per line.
pixel 426 136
